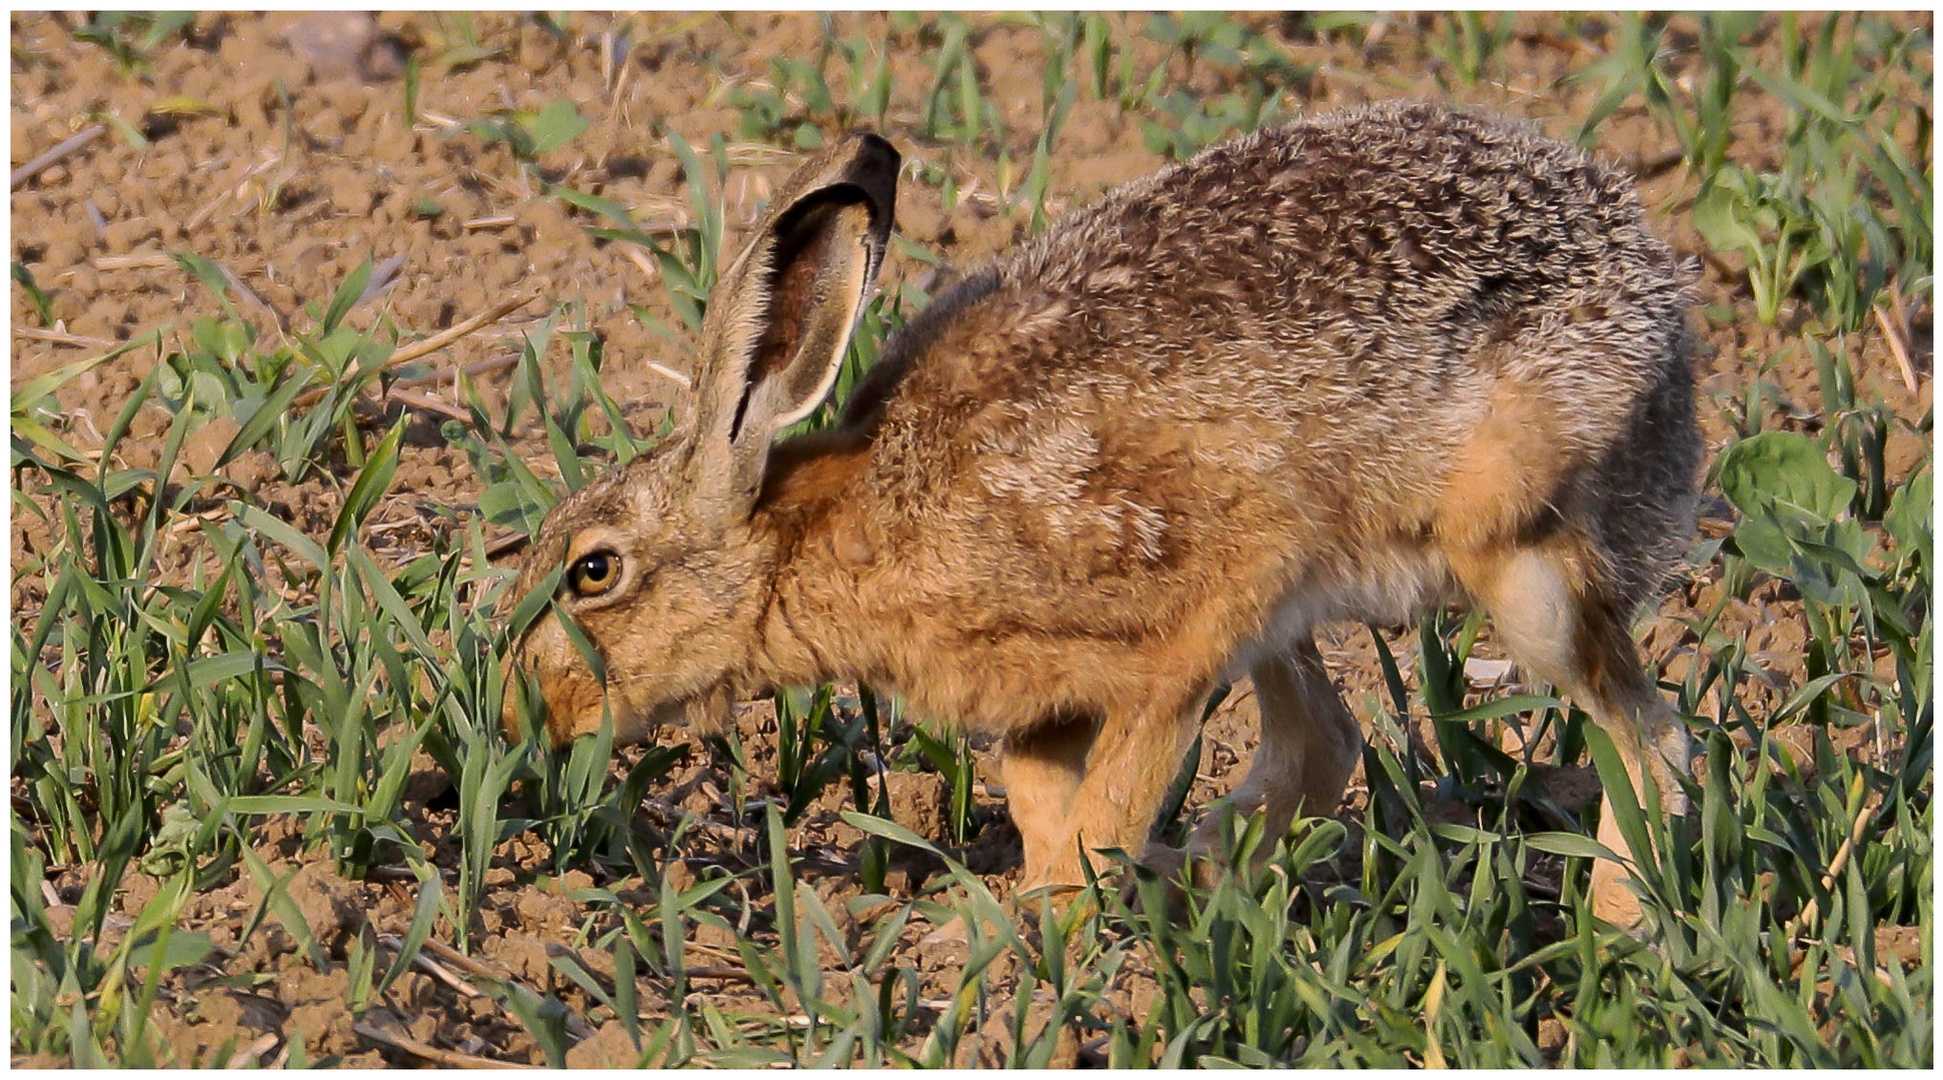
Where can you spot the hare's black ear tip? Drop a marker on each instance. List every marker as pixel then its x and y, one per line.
pixel 871 163
pixel 876 152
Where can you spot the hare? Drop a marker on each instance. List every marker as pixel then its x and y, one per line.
pixel 1346 368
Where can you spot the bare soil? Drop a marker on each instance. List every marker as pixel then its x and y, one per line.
pixel 287 160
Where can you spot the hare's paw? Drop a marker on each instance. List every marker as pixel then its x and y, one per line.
pixel 1177 869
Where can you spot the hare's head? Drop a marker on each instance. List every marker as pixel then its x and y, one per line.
pixel 660 578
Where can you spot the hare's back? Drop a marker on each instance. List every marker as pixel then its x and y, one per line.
pixel 1409 215
pixel 1396 258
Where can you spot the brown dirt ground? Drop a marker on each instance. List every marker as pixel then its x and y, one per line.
pixel 301 166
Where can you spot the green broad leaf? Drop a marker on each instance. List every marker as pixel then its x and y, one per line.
pixel 179 949
pixel 1831 572
pixel 506 503
pixel 1763 542
pixel 554 126
pixel 1720 216
pixel 1908 519
pixel 221 338
pixel 207 272
pixel 1786 472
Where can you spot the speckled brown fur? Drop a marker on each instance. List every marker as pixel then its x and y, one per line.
pixel 1344 368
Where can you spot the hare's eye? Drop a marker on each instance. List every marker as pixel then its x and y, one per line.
pixel 594 573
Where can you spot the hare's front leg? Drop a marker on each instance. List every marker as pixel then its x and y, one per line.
pixel 1134 757
pixel 1310 743
pixel 1042 768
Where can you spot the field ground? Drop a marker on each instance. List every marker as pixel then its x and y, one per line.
pixel 261 812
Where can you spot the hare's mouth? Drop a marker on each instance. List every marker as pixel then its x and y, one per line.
pixel 632 723
pixel 635 720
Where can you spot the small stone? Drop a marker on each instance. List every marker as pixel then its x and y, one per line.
pixel 609 1048
pixel 1485 674
pixel 332 42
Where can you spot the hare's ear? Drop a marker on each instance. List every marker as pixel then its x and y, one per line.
pixel 784 311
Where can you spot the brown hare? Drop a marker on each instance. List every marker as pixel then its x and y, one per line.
pixel 1346 368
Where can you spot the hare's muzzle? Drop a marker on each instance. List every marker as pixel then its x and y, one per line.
pixel 509 703
pixel 516 685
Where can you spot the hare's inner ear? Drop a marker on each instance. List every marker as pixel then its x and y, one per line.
pixel 785 310
pixel 815 290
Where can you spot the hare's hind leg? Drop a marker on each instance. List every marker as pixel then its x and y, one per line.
pixel 1310 743
pixel 1555 613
